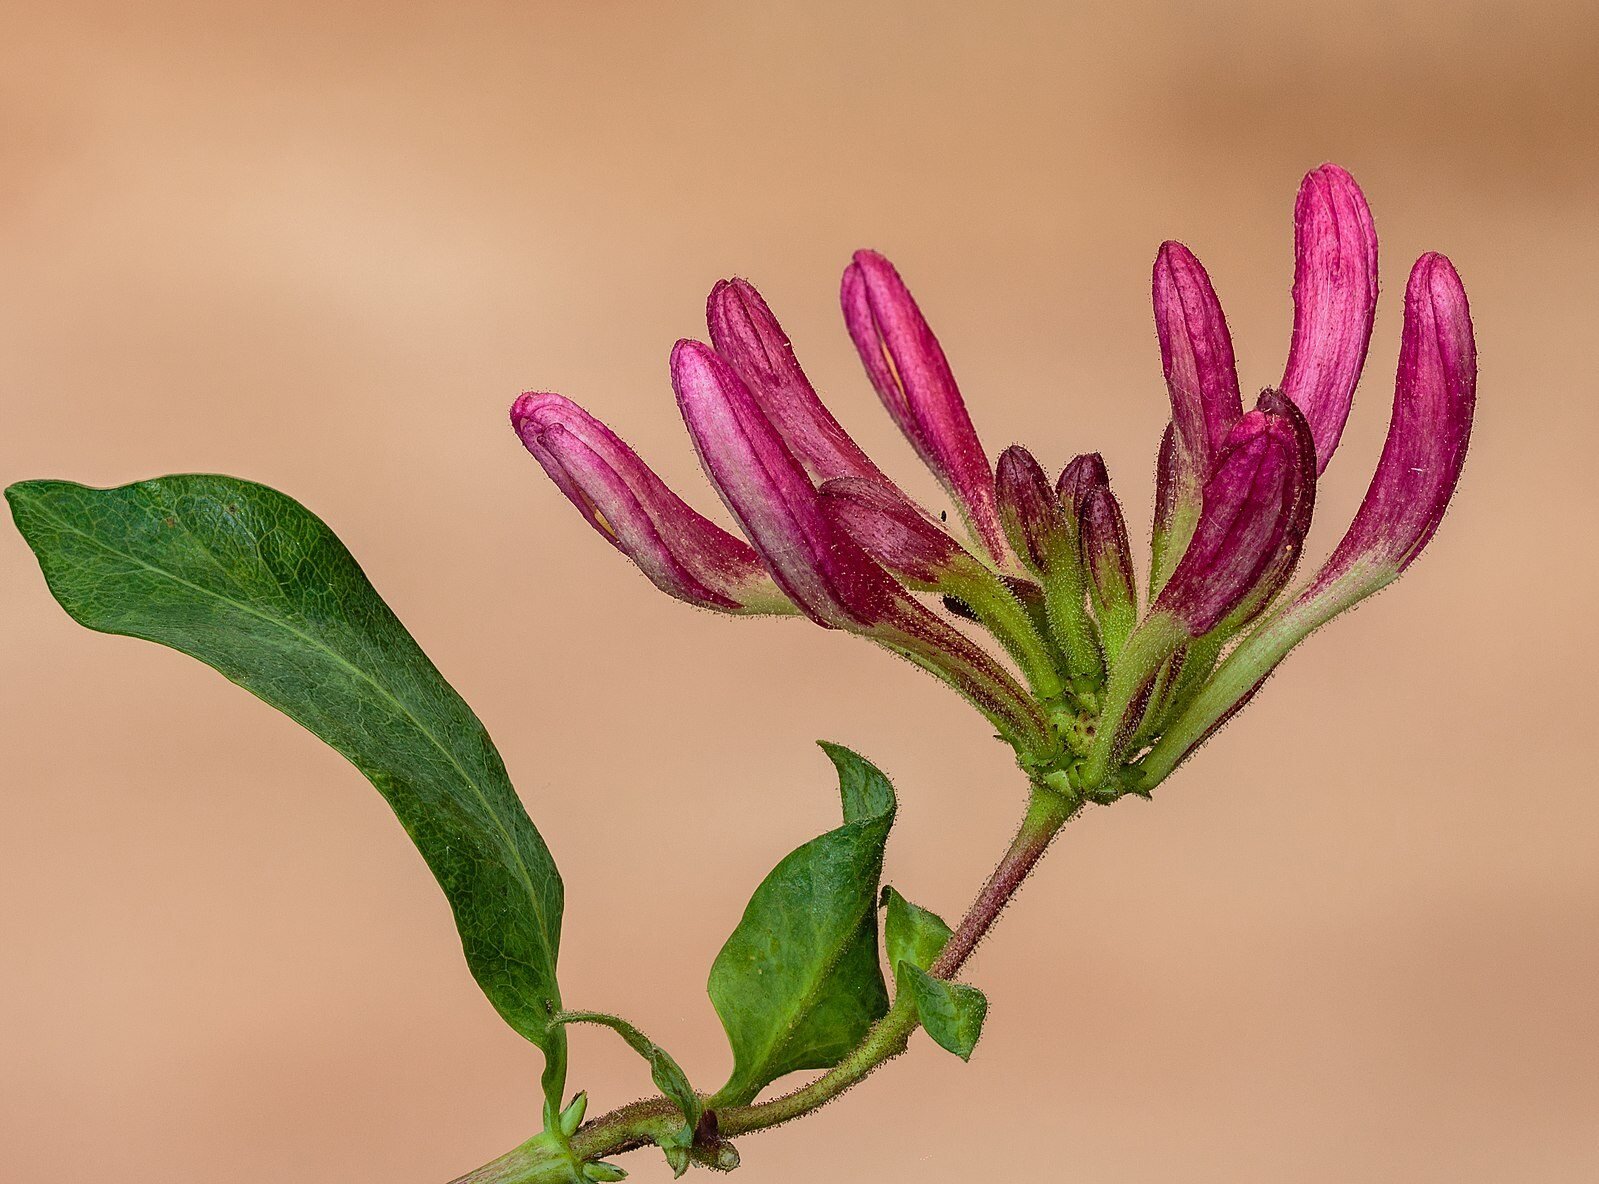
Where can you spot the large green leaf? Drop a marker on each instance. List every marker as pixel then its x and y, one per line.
pixel 251 583
pixel 798 983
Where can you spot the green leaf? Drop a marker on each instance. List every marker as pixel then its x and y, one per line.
pixel 911 933
pixel 952 1013
pixel 913 937
pixel 253 584
pixel 865 793
pixel 798 983
pixel 668 1076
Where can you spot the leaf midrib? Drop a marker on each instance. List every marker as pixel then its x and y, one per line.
pixel 340 659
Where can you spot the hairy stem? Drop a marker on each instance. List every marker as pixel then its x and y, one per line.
pixel 539 1161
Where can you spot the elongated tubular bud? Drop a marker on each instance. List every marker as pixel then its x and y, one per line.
pixel 1250 513
pixel 1196 353
pixel 750 340
pixel 1435 398
pixel 827 575
pixel 1029 511
pixel 683 553
pixel 1335 302
pixel 1434 402
pixel 913 379
pixel 1044 535
pixel 901 537
pixel 1108 559
pixel 1278 415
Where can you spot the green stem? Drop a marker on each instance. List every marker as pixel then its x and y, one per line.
pixel 1002 614
pixel 540 1161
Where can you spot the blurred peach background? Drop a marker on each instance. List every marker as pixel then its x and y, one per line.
pixel 323 245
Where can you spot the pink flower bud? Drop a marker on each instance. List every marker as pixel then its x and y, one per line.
pixel 1031 514
pixel 1335 302
pixel 913 379
pixel 750 340
pixel 1435 395
pixel 1196 352
pixel 1256 507
pixel 1080 478
pixel 683 553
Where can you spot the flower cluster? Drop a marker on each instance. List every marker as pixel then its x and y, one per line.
pixel 1107 690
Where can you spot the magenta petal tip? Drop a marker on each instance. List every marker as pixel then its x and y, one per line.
pixel 748 337
pixel 1435 396
pixel 682 552
pixel 831 580
pixel 1196 352
pixel 1335 302
pixel 913 379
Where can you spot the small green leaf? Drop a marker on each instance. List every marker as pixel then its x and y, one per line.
pixel 668 1076
pixel 677 1158
pixel 952 1013
pixel 572 1116
pixel 603 1173
pixel 913 937
pixel 798 983
pixel 253 584
pixel 911 933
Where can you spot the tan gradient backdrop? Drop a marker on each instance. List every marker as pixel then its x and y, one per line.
pixel 323 245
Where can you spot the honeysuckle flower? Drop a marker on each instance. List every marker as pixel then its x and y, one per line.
pixel 1031 515
pixel 912 377
pixel 683 553
pixel 1256 508
pixel 1335 302
pixel 1196 353
pixel 1119 689
pixel 1084 492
